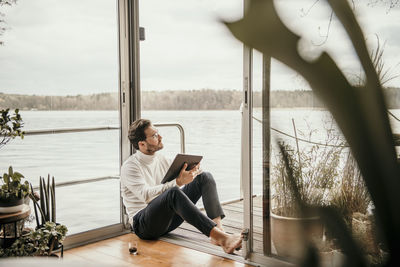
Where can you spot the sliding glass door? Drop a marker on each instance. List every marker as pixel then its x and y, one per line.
pixel 59 66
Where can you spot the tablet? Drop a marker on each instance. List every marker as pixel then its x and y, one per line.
pixel 177 165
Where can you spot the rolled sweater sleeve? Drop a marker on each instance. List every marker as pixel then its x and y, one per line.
pixel 139 187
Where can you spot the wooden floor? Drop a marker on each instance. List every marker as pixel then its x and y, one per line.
pixel 233 223
pixel 114 252
pixel 163 252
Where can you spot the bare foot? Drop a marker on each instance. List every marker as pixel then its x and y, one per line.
pixel 228 242
pixel 232 242
pixel 214 242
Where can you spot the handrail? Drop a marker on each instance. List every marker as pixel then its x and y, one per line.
pixel 85 181
pixel 69 130
pixel 181 131
pixel 104 128
pixel 89 129
pixel 301 139
pixel 396 137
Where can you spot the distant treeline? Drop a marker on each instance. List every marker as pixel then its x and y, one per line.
pixel 104 101
pixel 173 100
pixel 191 100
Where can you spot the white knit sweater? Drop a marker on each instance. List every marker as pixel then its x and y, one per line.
pixel 141 177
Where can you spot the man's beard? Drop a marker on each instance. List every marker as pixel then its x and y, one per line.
pixel 154 148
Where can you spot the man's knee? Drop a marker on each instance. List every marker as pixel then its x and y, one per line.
pixel 174 192
pixel 207 178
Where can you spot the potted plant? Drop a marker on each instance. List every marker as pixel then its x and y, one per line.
pixel 351 195
pixel 352 200
pixel 12 191
pixel 48 235
pixel 45 210
pixel 315 171
pixel 36 242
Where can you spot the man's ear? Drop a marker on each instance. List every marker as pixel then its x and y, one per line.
pixel 141 143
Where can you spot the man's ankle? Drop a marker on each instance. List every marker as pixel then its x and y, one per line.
pixel 217 235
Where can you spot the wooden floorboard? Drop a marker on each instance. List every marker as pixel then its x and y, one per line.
pixel 114 252
pixel 240 210
pixel 232 223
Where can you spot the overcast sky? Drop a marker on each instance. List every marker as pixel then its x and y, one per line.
pixel 70 47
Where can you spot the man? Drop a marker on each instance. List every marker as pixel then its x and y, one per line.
pixel 155 209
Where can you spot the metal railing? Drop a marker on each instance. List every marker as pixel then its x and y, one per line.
pixel 69 130
pixel 181 131
pixel 83 181
pixel 97 128
pixel 396 136
pixel 105 128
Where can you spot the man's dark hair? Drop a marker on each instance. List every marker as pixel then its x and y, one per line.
pixel 136 131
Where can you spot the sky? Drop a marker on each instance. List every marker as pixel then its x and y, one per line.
pixel 71 47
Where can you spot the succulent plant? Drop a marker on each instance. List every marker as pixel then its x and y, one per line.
pixel 39 242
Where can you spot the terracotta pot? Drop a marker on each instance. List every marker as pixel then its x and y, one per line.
pixel 288 234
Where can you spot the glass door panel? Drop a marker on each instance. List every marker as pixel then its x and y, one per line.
pixel 303 128
pixel 60 68
pixel 191 75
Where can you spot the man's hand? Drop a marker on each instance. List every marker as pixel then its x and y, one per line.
pixel 186 177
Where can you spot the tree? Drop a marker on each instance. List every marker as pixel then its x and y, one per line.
pixel 2 15
pixel 389 3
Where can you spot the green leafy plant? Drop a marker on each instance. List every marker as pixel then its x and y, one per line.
pixel 10 126
pixel 40 242
pixel 12 186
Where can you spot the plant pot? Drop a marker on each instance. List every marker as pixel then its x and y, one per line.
pixel 11 204
pixel 332 258
pixel 288 234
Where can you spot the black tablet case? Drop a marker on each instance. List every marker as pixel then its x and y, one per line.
pixel 177 164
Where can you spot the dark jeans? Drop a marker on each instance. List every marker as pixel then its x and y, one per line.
pixel 167 211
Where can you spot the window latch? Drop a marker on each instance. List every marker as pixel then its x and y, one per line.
pixel 245 234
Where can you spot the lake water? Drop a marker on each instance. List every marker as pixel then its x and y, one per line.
pixel 73 156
